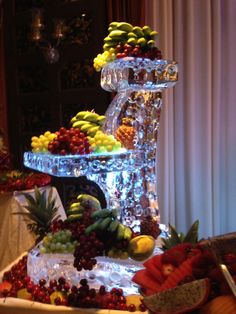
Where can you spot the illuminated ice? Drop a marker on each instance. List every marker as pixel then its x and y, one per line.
pixel 108 271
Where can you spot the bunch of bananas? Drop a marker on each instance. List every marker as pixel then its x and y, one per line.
pixel 84 202
pixel 122 33
pixel 88 122
pixel 106 220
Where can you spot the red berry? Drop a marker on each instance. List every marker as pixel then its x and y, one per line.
pixel 131 308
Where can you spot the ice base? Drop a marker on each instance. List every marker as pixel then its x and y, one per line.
pixel 108 271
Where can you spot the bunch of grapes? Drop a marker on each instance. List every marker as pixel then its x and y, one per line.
pixel 103 58
pixel 137 51
pixel 40 144
pixel 88 247
pixel 71 141
pixel 58 242
pixel 102 142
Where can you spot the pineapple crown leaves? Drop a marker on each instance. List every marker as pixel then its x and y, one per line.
pixel 174 238
pixel 42 211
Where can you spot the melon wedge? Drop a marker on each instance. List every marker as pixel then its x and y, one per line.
pixel 180 299
pixel 145 280
pixel 224 304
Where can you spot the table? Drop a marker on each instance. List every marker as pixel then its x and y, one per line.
pixel 14 236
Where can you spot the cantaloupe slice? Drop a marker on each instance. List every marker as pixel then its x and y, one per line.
pixel 224 304
pixel 180 299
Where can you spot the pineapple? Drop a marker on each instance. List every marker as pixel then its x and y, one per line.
pixel 42 211
pixel 149 226
pixel 173 238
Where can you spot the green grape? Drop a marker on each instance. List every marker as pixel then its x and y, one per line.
pixel 58 242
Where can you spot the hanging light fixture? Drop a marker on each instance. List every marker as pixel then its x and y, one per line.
pixel 49 47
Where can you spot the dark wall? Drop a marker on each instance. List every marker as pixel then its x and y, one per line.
pixel 43 96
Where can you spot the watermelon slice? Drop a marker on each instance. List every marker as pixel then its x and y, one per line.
pixel 154 271
pixel 181 299
pixel 145 280
pixel 184 270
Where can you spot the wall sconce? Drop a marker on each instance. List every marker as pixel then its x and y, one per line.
pixel 49 48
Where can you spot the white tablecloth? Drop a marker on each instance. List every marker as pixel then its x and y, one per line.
pixel 15 238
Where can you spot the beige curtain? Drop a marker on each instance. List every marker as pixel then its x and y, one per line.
pixel 197 144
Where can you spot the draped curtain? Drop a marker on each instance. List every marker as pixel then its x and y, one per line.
pixel 3 115
pixel 197 143
pixel 131 11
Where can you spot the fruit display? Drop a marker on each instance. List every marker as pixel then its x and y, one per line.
pixel 187 277
pixel 18 181
pixel 126 40
pixel 84 137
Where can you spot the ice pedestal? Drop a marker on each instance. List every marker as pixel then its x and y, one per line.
pixel 137 108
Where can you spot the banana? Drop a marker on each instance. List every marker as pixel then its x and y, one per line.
pixel 91 117
pixel 101 119
pixel 127 233
pixel 153 34
pixel 151 43
pixel 132 41
pixel 75 205
pixel 74 211
pixel 89 201
pixel 73 217
pixel 108 46
pixel 85 127
pixel 79 123
pixel 138 31
pixel 113 225
pixel 147 30
pixel 110 29
pixel 113 24
pixel 141 41
pixel 132 35
pixel 125 27
pixel 105 223
pixel 107 39
pixel 118 34
pixel 102 213
pixel 93 130
pixel 120 232
pixel 93 227
pixel 80 115
pixel 73 120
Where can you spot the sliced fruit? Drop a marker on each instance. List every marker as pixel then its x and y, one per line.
pixel 134 299
pixel 5 286
pixel 141 247
pixel 180 299
pixel 24 294
pixel 146 281
pixel 57 294
pixel 223 304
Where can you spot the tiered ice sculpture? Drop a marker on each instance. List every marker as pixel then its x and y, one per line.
pixel 128 179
